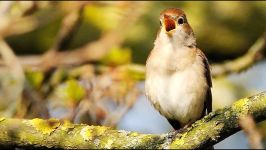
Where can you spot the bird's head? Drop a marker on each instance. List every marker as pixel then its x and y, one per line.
pixel 174 24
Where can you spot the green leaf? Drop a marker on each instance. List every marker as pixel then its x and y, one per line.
pixel 71 90
pixel 34 78
pixel 117 56
pixel 136 72
pixel 104 17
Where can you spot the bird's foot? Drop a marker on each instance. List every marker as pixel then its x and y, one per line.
pixel 181 130
pixel 187 125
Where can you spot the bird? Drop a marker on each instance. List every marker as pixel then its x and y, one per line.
pixel 178 81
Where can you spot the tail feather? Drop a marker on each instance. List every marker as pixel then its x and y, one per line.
pixel 175 124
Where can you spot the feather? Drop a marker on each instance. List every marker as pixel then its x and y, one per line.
pixel 208 101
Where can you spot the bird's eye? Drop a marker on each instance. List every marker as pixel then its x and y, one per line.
pixel 180 20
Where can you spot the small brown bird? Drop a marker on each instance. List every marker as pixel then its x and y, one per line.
pixel 178 81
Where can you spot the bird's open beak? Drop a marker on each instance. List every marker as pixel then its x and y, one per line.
pixel 169 23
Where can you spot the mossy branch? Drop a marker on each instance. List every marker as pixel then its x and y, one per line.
pixel 254 54
pixel 52 133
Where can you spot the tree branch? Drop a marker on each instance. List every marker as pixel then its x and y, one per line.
pixel 253 55
pixel 91 51
pixel 87 53
pixel 52 133
pixel 254 137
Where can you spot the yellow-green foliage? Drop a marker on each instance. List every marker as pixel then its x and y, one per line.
pixel 34 78
pixel 117 56
pixel 71 90
pixel 136 73
pixel 104 17
pixel 2 119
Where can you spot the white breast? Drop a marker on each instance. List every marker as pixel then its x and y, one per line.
pixel 180 94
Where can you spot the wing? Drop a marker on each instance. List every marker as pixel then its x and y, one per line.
pixel 207 73
pixel 208 101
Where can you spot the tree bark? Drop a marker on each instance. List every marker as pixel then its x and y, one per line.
pixel 52 133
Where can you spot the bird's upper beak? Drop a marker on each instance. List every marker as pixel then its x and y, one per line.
pixel 169 23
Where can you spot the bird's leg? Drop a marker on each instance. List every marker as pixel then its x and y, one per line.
pixel 187 125
pixel 183 129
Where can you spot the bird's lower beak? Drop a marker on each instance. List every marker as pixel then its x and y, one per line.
pixel 169 24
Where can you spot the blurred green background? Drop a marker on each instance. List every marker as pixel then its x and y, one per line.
pixel 224 30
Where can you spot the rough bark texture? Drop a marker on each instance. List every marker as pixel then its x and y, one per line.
pixel 52 133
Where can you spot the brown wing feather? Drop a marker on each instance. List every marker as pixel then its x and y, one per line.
pixel 208 100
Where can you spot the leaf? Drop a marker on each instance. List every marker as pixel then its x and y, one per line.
pixel 104 17
pixel 117 56
pixel 35 78
pixel 71 90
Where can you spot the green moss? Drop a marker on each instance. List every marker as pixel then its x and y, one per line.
pixel 86 133
pixel 227 114
pixel 45 126
pixel 107 139
pixel 212 128
pixel 96 142
pixel 241 106
pixel 67 125
pixel 153 140
pixel 107 143
pixel 122 139
pixel 99 130
pixel 98 136
pixel 240 102
pixel 177 142
pixel 201 131
pixel 133 134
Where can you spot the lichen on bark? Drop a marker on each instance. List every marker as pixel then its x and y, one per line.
pixel 53 133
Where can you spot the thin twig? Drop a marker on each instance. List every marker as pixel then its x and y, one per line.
pixel 68 28
pixel 16 71
pixel 248 125
pixel 11 61
pixel 69 25
pixel 90 52
pixel 21 23
pixel 96 50
pixel 253 55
